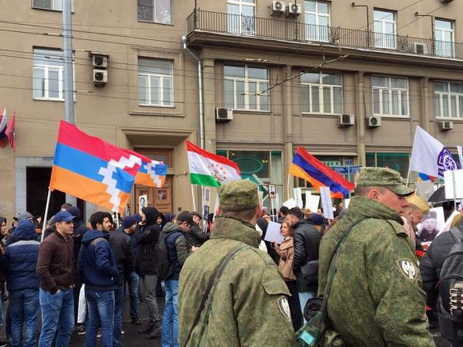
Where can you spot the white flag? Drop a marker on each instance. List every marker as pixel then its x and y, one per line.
pixel 429 156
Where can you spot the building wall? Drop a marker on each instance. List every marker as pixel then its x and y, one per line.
pixel 112 112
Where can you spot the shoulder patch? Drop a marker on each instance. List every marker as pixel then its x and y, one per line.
pixel 408 269
pixel 283 305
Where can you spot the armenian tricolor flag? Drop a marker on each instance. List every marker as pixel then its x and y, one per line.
pixel 151 173
pixel 309 168
pixel 92 169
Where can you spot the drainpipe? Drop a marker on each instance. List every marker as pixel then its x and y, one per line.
pixel 200 92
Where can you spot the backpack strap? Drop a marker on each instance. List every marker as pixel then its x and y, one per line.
pixel 211 287
pixel 457 233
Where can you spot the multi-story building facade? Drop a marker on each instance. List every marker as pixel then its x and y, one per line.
pixel 348 81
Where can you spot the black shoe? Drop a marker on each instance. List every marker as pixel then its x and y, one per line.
pixel 155 332
pixel 136 321
pixel 147 330
pixel 3 343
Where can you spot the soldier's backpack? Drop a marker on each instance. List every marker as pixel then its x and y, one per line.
pixel 451 279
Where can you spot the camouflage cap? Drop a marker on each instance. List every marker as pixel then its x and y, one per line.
pixel 238 195
pixel 383 177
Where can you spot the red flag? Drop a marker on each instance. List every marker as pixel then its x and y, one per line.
pixel 11 132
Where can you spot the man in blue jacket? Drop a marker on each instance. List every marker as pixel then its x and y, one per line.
pixel 19 264
pixel 97 266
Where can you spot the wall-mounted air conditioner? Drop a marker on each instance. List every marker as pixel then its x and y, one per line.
pixel 100 77
pixel 294 9
pixel 346 120
pixel 373 121
pixel 223 114
pixel 278 7
pixel 446 125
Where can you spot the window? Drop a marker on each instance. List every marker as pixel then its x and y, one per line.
pixel 262 168
pixel 448 100
pixel 385 29
pixel 157 11
pixel 55 5
pixel 321 93
pixel 317 19
pixel 444 35
pixel 48 74
pixel 395 161
pixel 241 17
pixel 246 88
pixel 390 96
pixel 155 82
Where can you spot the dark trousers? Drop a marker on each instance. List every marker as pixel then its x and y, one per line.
pixel 294 305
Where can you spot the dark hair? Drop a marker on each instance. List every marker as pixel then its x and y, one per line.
pixel 284 210
pixel 2 219
pixel 98 218
pixel 66 205
pixel 296 211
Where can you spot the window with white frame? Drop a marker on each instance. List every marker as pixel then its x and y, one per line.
pixel 48 74
pixel 155 82
pixel 55 5
pixel 390 96
pixel 317 20
pixel 448 99
pixel 321 93
pixel 246 87
pixel 444 36
pixel 241 16
pixel 385 29
pixel 157 11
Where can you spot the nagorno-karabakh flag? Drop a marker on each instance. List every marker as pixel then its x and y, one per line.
pixel 309 168
pixel 92 169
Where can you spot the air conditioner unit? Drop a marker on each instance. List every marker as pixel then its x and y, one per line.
pixel 99 60
pixel 100 77
pixel 294 9
pixel 223 114
pixel 373 121
pixel 446 125
pixel 346 120
pixel 278 7
pixel 419 48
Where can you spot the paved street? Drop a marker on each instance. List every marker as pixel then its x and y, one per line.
pixel 131 338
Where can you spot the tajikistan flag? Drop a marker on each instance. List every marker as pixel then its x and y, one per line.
pixel 207 169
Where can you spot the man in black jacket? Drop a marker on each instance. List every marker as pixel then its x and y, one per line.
pixel 196 236
pixel 122 249
pixel 147 234
pixel 430 268
pixel 306 245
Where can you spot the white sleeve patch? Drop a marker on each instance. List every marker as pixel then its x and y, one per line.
pixel 283 305
pixel 408 269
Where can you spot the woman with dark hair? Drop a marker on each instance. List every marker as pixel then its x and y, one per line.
pixel 286 252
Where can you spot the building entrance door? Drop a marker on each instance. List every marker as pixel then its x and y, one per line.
pixel 161 198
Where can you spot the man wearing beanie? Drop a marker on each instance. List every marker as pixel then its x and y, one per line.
pixel 428 228
pixel 147 234
pixel 376 297
pixel 247 305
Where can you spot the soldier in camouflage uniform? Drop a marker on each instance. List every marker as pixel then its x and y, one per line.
pixel 376 297
pixel 249 306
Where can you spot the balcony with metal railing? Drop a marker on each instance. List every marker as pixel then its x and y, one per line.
pixel 292 30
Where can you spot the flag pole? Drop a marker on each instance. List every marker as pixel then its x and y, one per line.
pixel 287 185
pixel 46 214
pixel 193 197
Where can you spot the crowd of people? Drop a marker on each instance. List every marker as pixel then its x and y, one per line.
pixel 77 275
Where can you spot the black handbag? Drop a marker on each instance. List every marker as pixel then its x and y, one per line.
pixel 317 332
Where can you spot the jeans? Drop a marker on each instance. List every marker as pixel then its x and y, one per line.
pixel 24 305
pixel 150 282
pixel 118 309
pixel 134 292
pixel 303 298
pixel 100 306
pixel 57 316
pixel 169 337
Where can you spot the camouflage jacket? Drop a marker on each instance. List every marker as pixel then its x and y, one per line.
pixel 376 297
pixel 249 307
